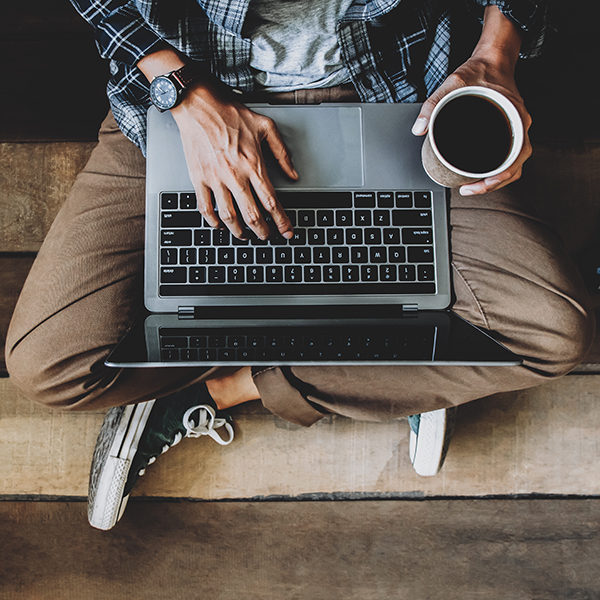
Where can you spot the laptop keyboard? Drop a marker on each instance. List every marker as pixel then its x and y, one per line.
pixel 351 238
pixel 305 344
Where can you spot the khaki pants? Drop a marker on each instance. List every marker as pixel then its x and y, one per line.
pixel 511 276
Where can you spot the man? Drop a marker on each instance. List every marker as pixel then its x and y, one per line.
pixel 511 275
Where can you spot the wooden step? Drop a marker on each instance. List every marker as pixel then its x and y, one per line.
pixel 538 441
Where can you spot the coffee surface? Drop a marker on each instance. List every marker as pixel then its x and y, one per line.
pixel 472 134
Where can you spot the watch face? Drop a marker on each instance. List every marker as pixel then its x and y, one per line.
pixel 163 93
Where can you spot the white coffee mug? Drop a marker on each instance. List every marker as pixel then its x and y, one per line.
pixel 474 133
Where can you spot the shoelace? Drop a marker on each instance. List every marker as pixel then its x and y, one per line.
pixel 207 423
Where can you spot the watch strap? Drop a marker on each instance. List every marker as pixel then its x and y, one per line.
pixel 186 74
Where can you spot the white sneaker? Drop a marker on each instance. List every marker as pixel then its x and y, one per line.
pixel 430 434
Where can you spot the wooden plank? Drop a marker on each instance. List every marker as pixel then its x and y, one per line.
pixel 13 272
pixel 538 441
pixel 34 182
pixel 449 549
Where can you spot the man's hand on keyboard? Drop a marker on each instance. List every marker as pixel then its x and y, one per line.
pixel 222 144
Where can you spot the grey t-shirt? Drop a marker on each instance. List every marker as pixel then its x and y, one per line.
pixel 294 43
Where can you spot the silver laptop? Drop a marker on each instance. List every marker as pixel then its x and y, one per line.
pixel 364 280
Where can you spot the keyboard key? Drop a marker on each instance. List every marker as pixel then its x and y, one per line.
pixel 404 200
pixel 283 255
pixel 350 273
pixel 293 274
pixel 425 272
pixel 187 256
pixel 312 274
pixel 359 254
pixel 255 341
pixel 340 255
pixel 385 199
pixel 302 255
pixel 206 256
pixel 407 273
pixel 189 354
pixel 274 274
pixel 173 275
pixel 316 237
pixel 331 274
pixel 241 242
pixel 343 218
pixel 354 237
pixel 391 235
pixel 364 199
pixel 277 240
pixel 397 254
pixel 362 218
pixel 221 237
pixel 306 218
pixel 197 274
pixel 335 237
pixel 372 236
pixel 368 273
pixel 417 236
pixel 169 355
pixel 422 199
pixel 381 218
pixel 420 254
pixel 169 201
pixel 198 341
pixel 180 219
pixel 299 238
pixel 217 341
pixel 235 275
pixel 168 256
pixel 176 237
pixel 225 256
pixel 216 274
pixel 202 237
pixel 188 201
pixel 245 256
pixel 173 342
pixel 378 254
pixel 322 255
pixel 411 217
pixel 325 218
pixel 387 273
pixel 255 274
pixel 264 256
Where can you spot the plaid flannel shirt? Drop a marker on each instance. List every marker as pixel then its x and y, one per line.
pixel 395 50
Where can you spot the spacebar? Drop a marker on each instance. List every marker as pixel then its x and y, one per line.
pixel 315 199
pixel 324 288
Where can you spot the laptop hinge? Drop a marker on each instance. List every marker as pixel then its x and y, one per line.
pixel 411 308
pixel 185 312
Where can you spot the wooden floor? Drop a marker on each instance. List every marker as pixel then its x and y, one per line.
pixel 367 550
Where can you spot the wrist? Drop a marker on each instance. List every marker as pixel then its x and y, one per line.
pixel 500 41
pixel 165 60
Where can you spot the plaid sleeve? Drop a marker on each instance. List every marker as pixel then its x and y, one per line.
pixel 528 15
pixel 121 32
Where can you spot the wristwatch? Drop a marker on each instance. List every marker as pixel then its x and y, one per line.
pixel 166 91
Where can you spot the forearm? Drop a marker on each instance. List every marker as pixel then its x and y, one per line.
pixel 500 40
pixel 164 60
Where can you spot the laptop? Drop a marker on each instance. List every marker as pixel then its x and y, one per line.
pixel 365 280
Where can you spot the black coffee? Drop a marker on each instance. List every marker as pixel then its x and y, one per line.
pixel 472 134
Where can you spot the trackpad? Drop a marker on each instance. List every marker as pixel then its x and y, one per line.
pixel 325 142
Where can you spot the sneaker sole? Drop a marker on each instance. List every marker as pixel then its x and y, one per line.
pixel 428 449
pixel 115 448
